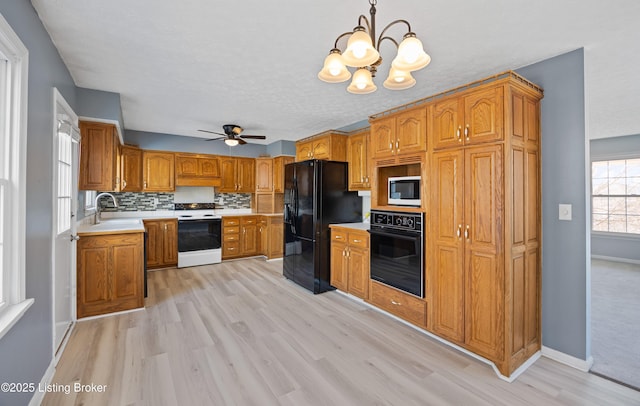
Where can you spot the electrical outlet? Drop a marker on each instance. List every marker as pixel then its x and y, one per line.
pixel 564 212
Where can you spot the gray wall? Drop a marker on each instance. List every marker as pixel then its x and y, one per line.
pixel 25 351
pixel 281 148
pixel 170 142
pixel 99 104
pixel 564 248
pixel 612 245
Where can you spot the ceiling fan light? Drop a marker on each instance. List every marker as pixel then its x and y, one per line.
pixel 411 55
pixel 232 142
pixel 360 50
pixel 362 82
pixel 334 70
pixel 399 80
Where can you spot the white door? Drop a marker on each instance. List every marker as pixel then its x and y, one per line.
pixel 66 150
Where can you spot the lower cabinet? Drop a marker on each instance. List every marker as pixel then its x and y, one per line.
pixel 110 272
pixel 403 305
pixel 240 236
pixel 162 243
pixel 350 261
pixel 271 235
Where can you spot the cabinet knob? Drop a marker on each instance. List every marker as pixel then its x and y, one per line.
pixel 124 184
pixel 466 132
pixel 459 232
pixel 458 134
pixel 466 232
pixel 357 241
pixel 393 302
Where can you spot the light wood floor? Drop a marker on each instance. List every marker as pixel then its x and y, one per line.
pixel 239 334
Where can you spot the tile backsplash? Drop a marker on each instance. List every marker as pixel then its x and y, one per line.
pixel 132 201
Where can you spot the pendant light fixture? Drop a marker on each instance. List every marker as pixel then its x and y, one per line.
pixel 363 52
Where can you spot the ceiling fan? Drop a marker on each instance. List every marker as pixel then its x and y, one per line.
pixel 232 135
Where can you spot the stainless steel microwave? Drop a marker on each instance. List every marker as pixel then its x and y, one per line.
pixel 404 191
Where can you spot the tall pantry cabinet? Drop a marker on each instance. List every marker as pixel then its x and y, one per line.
pixel 483 276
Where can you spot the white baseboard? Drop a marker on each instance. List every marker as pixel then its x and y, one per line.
pixel 616 259
pixel 561 357
pixel 38 395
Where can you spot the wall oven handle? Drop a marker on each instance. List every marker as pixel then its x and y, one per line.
pixel 396 234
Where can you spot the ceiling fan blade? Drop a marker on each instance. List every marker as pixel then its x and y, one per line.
pixel 216 139
pixel 254 137
pixel 241 141
pixel 211 132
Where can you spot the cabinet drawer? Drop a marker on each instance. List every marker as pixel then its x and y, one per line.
pixel 359 240
pixel 231 237
pixel 226 221
pixel 338 235
pixel 405 306
pixel 231 230
pixel 231 248
pixel 249 220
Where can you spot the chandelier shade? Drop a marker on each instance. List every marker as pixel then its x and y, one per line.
pixel 363 53
pixel 232 142
pixel 334 69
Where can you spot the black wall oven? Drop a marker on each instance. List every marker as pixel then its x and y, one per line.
pixel 397 250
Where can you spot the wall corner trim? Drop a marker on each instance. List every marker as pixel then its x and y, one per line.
pixel 573 362
pixel 38 396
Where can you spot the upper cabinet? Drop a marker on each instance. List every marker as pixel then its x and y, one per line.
pixel 331 145
pixel 264 175
pixel 130 169
pixel 99 157
pixel 278 172
pixel 158 171
pixel 399 134
pixel 358 158
pixel 238 175
pixel 197 170
pixel 473 118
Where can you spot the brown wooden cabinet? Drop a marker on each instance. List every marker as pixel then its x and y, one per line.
pixel 401 304
pixel 238 175
pixel 240 236
pixel 249 236
pixel 358 158
pixel 110 273
pixel 158 171
pixel 483 278
pixel 331 145
pixel 99 157
pixel 162 242
pixel 349 258
pixel 401 133
pixel 131 169
pixel 264 175
pixel 473 118
pixel 279 163
pixel 197 170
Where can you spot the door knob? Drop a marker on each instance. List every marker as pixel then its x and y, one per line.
pixel 74 237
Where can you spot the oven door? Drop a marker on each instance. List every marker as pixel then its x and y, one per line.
pixel 199 235
pixel 397 260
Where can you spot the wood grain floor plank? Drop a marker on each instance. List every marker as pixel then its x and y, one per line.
pixel 238 333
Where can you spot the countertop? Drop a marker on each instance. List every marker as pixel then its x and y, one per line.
pixel 356 226
pixel 112 226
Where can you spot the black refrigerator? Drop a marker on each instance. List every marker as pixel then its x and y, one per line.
pixel 316 195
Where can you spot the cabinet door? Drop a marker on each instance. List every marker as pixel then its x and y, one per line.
pixel 92 275
pixel 278 172
pixel 170 242
pixel 358 162
pixel 228 168
pixel 411 131
pixel 304 150
pixel 339 266
pixel 383 137
pixel 359 272
pixel 249 239
pixel 131 164
pixel 209 167
pixel 322 148
pixel 127 271
pixel 264 174
pixel 97 157
pixel 484 277
pixel 186 166
pixel 446 118
pixel 246 175
pixel 158 171
pixel 263 237
pixel 483 116
pixel 276 238
pixel 447 278
pixel 155 247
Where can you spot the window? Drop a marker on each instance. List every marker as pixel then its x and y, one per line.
pixel 89 200
pixel 615 194
pixel 13 134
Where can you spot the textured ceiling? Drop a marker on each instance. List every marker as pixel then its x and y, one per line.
pixel 198 64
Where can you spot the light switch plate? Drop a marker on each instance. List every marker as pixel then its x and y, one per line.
pixel 564 212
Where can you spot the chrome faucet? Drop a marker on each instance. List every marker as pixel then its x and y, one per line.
pixel 97 217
